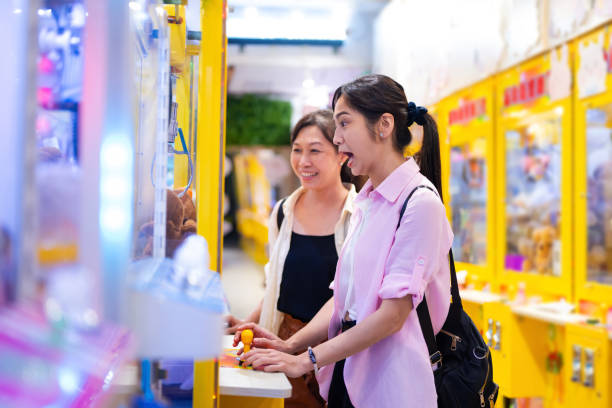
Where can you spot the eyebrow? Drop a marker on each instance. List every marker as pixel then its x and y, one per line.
pixel 340 114
pixel 309 144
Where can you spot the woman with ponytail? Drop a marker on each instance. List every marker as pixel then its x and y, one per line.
pixel 376 355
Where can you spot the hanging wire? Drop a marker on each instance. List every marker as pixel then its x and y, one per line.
pixel 172 150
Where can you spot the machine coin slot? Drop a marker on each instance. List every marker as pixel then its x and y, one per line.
pixel 588 371
pixel 576 363
pixel 497 336
pixel 489 333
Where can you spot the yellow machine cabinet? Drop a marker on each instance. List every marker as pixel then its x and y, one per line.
pixel 470 131
pixel 534 176
pixel 517 345
pixel 587 374
pixel 593 171
pixel 254 206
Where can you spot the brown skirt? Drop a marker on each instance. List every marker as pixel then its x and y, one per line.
pixel 305 389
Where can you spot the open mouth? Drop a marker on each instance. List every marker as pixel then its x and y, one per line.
pixel 350 158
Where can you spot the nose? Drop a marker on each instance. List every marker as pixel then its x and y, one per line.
pixel 337 138
pixel 304 159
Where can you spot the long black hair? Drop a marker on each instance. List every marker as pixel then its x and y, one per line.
pixel 373 95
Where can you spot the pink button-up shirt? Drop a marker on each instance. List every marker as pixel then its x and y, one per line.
pixel 390 263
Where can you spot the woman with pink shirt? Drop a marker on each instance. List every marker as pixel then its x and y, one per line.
pixel 376 355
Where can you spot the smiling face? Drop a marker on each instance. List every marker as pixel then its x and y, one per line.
pixel 315 160
pixel 354 138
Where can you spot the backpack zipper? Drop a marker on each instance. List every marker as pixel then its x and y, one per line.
pixel 491 404
pixel 481 392
pixel 454 337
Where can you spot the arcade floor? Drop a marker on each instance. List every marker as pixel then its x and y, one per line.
pixel 243 281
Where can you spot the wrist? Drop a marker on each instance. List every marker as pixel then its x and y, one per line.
pixel 313 360
pixel 306 363
pixel 290 345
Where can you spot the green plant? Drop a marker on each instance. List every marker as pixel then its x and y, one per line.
pixel 257 120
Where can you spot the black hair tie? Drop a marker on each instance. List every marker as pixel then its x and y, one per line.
pixel 416 114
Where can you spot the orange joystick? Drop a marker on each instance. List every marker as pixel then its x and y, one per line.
pixel 247 338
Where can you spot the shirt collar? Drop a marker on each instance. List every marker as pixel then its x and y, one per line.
pixel 394 184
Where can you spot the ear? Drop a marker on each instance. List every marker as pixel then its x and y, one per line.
pixel 342 158
pixel 386 124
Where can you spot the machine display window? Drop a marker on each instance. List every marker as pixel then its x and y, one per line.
pixel 599 194
pixel 468 191
pixel 533 195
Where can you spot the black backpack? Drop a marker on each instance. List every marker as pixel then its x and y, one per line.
pixel 464 373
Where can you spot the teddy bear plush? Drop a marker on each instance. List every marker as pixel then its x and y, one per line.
pixel 180 223
pixel 543 237
pixel 180 219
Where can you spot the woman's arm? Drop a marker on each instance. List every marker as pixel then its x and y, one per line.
pixel 313 333
pixel 386 320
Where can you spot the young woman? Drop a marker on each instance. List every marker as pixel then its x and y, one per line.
pixel 304 251
pixel 376 355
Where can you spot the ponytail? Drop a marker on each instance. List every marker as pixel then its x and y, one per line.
pixel 428 158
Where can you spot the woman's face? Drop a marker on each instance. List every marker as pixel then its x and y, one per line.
pixel 315 160
pixel 354 138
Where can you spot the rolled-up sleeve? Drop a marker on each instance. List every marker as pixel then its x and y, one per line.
pixel 420 243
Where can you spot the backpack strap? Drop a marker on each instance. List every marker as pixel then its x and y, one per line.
pixel 422 309
pixel 280 215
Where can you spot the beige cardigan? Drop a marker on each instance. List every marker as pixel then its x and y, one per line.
pixel 279 242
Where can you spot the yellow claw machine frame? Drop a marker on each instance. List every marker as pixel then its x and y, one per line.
pixel 471 195
pixel 199 93
pixel 533 176
pixel 534 184
pixel 469 172
pixel 588 348
pixel 593 170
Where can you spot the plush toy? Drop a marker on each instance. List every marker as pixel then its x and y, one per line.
pixel 596 260
pixel 180 220
pixel 525 248
pixel 180 223
pixel 543 238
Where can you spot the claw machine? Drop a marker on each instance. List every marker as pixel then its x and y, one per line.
pixel 169 273
pixel 589 381
pixel 534 226
pixel 471 196
pixel 471 192
pixel 59 344
pixel 535 190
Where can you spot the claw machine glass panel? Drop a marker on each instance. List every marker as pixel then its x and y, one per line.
pixel 59 72
pixel 593 171
pixel 56 347
pixel 151 102
pixel 534 166
pixel 17 155
pixel 471 196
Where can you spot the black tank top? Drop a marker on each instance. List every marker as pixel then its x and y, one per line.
pixel 309 269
